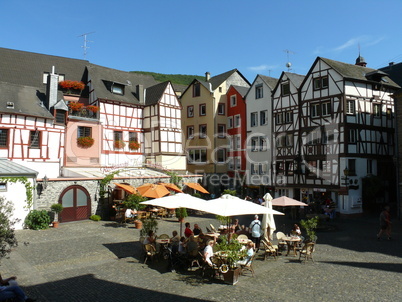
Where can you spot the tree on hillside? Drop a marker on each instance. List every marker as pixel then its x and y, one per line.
pixel 7 235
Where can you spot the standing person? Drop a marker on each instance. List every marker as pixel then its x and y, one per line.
pixel 188 232
pixel 255 230
pixel 209 252
pixel 197 230
pixel 385 223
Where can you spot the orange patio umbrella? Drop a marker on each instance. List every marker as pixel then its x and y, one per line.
pixel 196 186
pixel 129 189
pixel 153 190
pixel 171 187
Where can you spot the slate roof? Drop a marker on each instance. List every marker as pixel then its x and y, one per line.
pixel 395 72
pixel 27 68
pixel 241 90
pixel 102 78
pixel 270 81
pixel 295 78
pixel 356 72
pixel 26 100
pixel 155 93
pixel 12 169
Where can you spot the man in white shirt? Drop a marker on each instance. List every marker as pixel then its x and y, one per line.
pixel 255 230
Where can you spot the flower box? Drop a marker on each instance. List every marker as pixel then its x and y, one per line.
pixel 75 106
pixel 134 145
pixel 67 84
pixel 85 141
pixel 93 108
pixel 119 144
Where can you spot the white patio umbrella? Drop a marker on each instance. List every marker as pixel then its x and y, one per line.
pixel 228 205
pixel 268 219
pixel 179 200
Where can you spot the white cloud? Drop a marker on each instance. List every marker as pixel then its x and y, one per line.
pixel 260 68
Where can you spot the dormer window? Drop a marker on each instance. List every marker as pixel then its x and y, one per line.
pixel 118 89
pixel 10 105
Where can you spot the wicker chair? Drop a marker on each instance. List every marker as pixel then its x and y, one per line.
pixel 270 249
pixel 150 252
pixel 306 253
pixel 248 266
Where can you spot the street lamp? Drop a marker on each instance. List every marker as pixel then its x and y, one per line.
pixel 45 179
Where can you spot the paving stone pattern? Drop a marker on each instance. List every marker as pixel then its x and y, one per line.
pixel 101 261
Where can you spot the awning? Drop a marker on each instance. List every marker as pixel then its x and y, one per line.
pixel 196 186
pixel 129 189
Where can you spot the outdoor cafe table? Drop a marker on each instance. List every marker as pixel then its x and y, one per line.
pixel 292 242
pixel 162 241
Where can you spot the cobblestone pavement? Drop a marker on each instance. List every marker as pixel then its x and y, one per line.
pixel 100 261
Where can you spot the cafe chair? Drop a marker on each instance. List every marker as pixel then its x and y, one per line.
pixel 281 243
pixel 150 252
pixel 270 249
pixel 242 237
pixel 248 266
pixel 163 236
pixel 306 252
pixel 213 228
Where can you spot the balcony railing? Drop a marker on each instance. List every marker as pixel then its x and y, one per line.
pixel 84 112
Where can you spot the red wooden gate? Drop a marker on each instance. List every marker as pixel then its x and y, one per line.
pixel 76 204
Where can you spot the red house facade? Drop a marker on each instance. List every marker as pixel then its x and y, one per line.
pixel 237 134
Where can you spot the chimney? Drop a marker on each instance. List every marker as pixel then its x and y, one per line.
pixel 391 63
pixel 140 93
pixel 207 76
pixel 52 88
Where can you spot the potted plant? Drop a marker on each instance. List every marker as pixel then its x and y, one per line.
pixel 310 225
pixel 134 145
pixel 119 144
pixel 93 108
pixel 85 141
pixel 231 252
pixel 72 85
pixel 75 106
pixel 56 208
pixel 181 213
pixel 133 201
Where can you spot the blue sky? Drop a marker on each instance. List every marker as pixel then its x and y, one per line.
pixel 195 36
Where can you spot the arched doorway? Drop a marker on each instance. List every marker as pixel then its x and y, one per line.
pixel 76 204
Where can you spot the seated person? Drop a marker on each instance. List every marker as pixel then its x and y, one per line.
pixel 175 239
pixel 235 227
pixel 130 213
pixel 182 246
pixel 250 253
pixel 150 239
pixel 209 252
pixel 197 230
pixel 9 289
pixel 188 232
pixel 296 230
pixel 192 245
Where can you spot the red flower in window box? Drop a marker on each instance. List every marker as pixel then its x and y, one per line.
pixel 75 106
pixel 67 84
pixel 85 141
pixel 119 144
pixel 134 145
pixel 93 108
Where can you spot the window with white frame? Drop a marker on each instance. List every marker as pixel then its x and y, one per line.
pixel 238 142
pixel 352 136
pixel 289 140
pixel 279 118
pixel 197 155
pixel 289 116
pixel 280 140
pixel 326 166
pixel 238 163
pixel 230 163
pixel 285 89
pixel 3 186
pixel 221 130
pixel 254 169
pixel 253 119
pixel 254 144
pixel 190 111
pixel 237 120
pixel 289 167
pixel 258 91
pixel 263 117
pixel 190 132
pixel 3 137
pixel 350 107
pixel 203 131
pixel 377 110
pixel 326 108
pixel 230 122
pixel 262 169
pixel 320 83
pixel 221 155
pixel 315 110
pixel 203 109
pixel 221 109
pixel 233 100
pixel 34 141
pixel 263 143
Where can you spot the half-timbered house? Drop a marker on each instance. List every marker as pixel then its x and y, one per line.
pixel 345 133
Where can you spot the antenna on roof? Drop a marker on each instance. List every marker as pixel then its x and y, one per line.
pixel 288 64
pixel 85 43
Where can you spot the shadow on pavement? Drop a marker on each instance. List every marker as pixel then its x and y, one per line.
pixel 93 289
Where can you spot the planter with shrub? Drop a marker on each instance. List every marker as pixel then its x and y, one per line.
pixel 37 220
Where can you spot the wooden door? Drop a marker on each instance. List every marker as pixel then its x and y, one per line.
pixel 76 204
